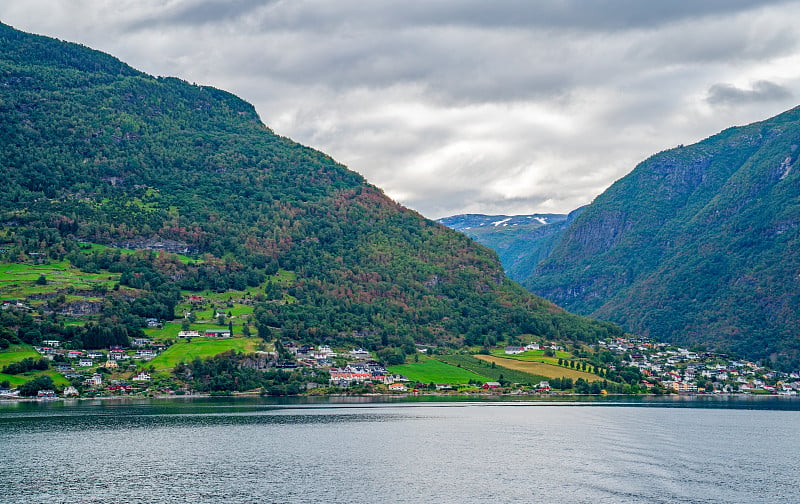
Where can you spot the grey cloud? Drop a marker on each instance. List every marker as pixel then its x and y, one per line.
pixel 599 15
pixel 466 51
pixel 464 105
pixel 198 12
pixel 761 91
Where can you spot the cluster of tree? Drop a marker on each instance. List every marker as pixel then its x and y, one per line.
pixel 32 387
pixel 226 372
pixel 560 383
pixel 630 375
pixel 25 365
pixel 21 327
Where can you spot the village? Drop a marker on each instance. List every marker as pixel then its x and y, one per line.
pixel 663 368
pixel 681 370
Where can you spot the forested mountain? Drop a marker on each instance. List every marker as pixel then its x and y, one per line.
pixel 521 241
pixel 92 150
pixel 699 244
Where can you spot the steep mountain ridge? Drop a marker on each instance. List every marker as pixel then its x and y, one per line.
pixel 93 150
pixel 698 244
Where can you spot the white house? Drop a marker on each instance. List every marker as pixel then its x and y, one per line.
pixel 145 353
pixel 359 353
pixel 141 377
pixel 95 381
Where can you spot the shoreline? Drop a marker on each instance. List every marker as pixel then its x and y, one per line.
pixel 410 398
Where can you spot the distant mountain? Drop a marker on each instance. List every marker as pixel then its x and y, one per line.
pixel 697 245
pixel 92 150
pixel 520 241
pixel 469 222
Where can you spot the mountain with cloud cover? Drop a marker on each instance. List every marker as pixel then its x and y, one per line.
pixel 698 245
pixel 92 150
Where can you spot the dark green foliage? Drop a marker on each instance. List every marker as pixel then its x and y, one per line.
pixel 32 387
pixel 115 329
pixel 26 365
pixel 230 372
pixel 92 150
pixel 391 356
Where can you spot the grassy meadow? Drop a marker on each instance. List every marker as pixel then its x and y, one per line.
pixel 429 370
pixel 495 373
pixel 18 281
pixel 534 356
pixel 16 353
pixel 183 351
pixel 538 368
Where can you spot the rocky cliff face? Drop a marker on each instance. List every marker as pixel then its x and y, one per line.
pixel 698 244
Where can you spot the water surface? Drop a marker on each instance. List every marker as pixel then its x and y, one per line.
pixel 358 451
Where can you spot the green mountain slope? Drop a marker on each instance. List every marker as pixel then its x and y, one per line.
pixel 699 244
pixel 92 150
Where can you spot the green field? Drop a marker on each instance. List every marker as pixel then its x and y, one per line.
pixel 16 353
pixel 429 370
pixel 238 303
pixel 17 380
pixel 534 356
pixel 203 348
pixel 473 363
pixel 18 281
pixel 170 330
pixel 543 369
pixel 14 380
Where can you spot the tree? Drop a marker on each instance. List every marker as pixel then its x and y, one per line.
pixel 42 280
pixel 32 387
pixel 185 324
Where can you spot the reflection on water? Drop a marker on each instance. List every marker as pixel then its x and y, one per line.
pixel 342 451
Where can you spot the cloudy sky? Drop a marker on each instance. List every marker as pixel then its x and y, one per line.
pixel 458 106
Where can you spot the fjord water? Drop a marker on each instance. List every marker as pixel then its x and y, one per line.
pixel 257 450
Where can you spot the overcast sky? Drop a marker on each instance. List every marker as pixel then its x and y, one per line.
pixel 465 106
